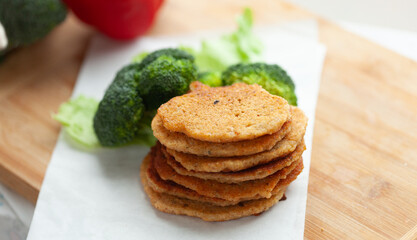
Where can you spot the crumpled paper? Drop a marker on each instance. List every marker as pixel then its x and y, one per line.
pixel 98 195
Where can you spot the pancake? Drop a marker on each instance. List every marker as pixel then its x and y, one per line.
pixel 255 189
pixel 284 147
pixel 208 212
pixel 257 172
pixel 182 143
pixel 171 188
pixel 225 114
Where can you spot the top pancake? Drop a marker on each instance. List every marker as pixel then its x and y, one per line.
pixel 225 114
pixel 182 143
pixel 234 163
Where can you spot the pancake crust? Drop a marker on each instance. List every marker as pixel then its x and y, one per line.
pixel 225 114
pixel 182 143
pixel 208 212
pixel 230 164
pixel 257 172
pixel 255 189
pixel 290 178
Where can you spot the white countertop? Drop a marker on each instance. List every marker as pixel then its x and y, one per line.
pixel 399 14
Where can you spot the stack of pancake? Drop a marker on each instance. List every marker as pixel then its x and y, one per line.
pixel 223 153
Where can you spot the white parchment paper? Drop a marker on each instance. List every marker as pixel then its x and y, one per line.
pixel 98 195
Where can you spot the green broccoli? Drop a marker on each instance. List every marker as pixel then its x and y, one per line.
pixel 213 79
pixel 124 113
pixel 165 78
pixel 120 110
pixel 172 52
pixel 26 21
pixel 270 76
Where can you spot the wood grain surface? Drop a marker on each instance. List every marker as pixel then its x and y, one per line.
pixel 363 177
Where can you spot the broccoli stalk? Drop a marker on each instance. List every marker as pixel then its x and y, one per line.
pixel 270 76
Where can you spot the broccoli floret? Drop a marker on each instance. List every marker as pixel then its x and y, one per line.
pixel 165 78
pixel 125 112
pixel 26 21
pixel 120 110
pixel 270 76
pixel 164 74
pixel 213 79
pixel 172 52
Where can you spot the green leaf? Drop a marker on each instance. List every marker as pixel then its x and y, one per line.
pixel 76 117
pixel 241 46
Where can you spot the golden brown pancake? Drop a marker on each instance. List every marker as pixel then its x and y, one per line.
pixel 230 164
pixel 255 189
pixel 223 153
pixel 257 172
pixel 171 188
pixel 208 212
pixel 225 114
pixel 182 143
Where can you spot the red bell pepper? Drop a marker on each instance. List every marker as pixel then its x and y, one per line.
pixel 119 19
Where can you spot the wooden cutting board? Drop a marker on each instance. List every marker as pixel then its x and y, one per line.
pixel 363 179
